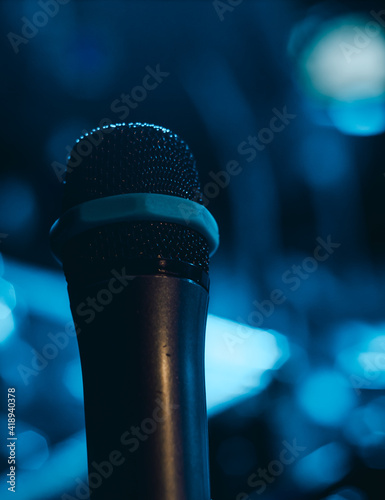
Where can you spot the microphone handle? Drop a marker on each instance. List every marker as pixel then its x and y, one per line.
pixel 142 360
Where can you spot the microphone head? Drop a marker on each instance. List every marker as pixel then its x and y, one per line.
pixel 131 158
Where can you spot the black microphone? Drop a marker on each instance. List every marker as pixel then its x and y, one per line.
pixel 135 240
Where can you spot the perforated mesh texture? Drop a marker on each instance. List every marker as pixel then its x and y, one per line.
pixel 133 158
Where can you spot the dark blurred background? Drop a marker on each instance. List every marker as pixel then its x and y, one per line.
pixel 283 105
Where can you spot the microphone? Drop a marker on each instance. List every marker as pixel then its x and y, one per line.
pixel 135 241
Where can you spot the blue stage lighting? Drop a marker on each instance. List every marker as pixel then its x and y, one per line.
pixel 347 494
pixel 32 450
pixel 339 67
pixel 326 397
pixel 365 427
pixel 73 379
pixel 7 305
pixel 322 467
pixel 239 359
pixel 64 469
pixel 363 359
pixel 17 206
pixel 324 158
pixel 7 324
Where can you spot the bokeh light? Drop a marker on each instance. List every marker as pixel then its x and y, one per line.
pixel 7 298
pixel 32 450
pixel 324 158
pixel 340 65
pixel 326 397
pixel 360 353
pixel 364 427
pixel 347 494
pixel 73 379
pixel 7 324
pixel 312 369
pixel 322 467
pixel 17 206
pixel 239 359
pixel 7 305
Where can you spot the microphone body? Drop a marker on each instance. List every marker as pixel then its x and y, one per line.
pixel 144 388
